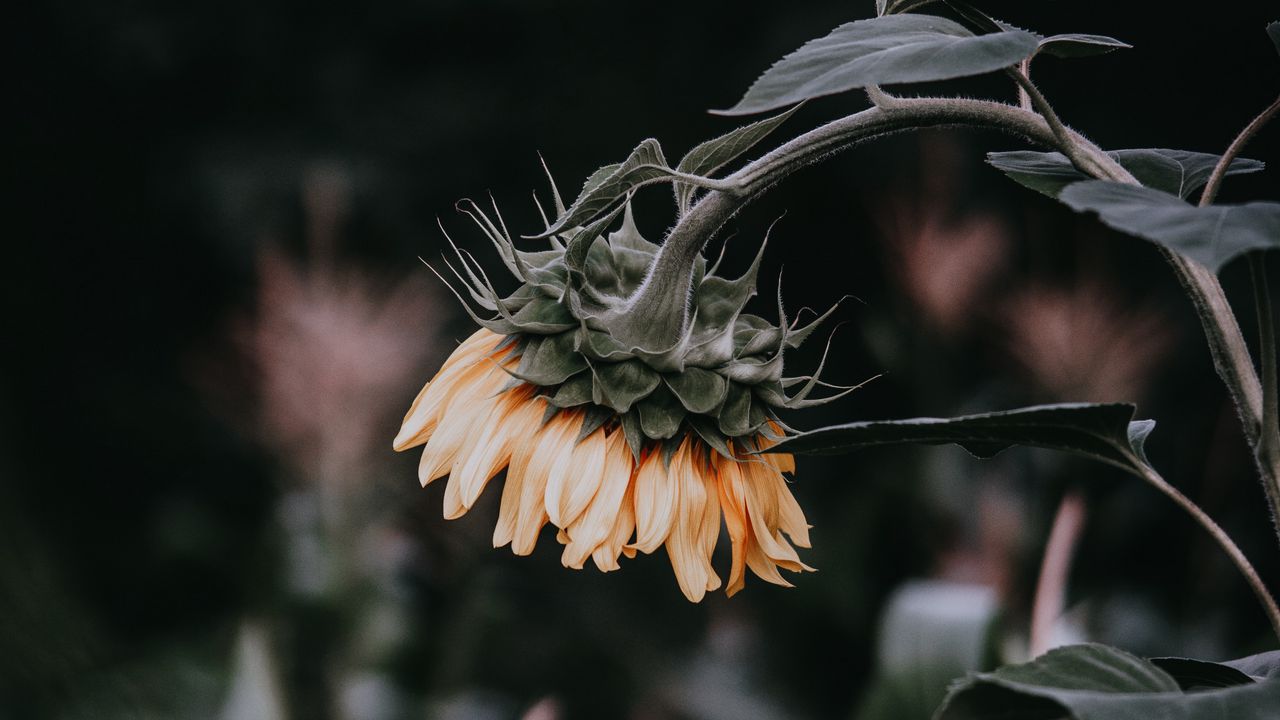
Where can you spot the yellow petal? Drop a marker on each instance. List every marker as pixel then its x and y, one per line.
pixel 423 414
pixel 709 528
pixel 470 398
pixel 735 521
pixel 513 414
pixel 606 556
pixel 575 477
pixel 524 440
pixel 683 544
pixel 596 523
pixel 546 443
pixel 656 495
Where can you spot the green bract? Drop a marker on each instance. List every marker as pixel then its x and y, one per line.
pixel 723 379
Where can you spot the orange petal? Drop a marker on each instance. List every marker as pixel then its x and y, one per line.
pixel 547 443
pixel 683 545
pixel 421 420
pixel 606 556
pixel 596 523
pixel 516 413
pixel 656 495
pixel 575 477
pixel 735 521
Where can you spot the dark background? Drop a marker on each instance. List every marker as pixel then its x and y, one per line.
pixel 157 148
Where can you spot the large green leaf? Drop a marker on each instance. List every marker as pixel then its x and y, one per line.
pixel 1210 235
pixel 1178 172
pixel 1096 682
pixel 1103 432
pixel 882 51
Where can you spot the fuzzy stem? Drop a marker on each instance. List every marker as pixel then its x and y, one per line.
pixel 1224 541
pixel 1055 569
pixel 1268 447
pixel 669 277
pixel 1224 163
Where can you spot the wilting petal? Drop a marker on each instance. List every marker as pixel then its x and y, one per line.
pixel 575 477
pixel 684 545
pixel 424 413
pixel 484 454
pixel 734 503
pixel 595 525
pixel 606 555
pixel 656 495
pixel 525 427
pixel 462 417
pixel 555 436
pixel 763 511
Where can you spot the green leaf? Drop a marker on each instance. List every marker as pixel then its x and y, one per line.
pixel 621 384
pixel 1261 666
pixel 1273 30
pixel 1096 682
pixel 549 360
pixel 660 414
pixel 1210 235
pixel 1074 45
pixel 1178 172
pixel 881 51
pixel 714 154
pixel 1103 432
pixel 699 391
pixel 932 632
pixel 645 164
pixel 1193 674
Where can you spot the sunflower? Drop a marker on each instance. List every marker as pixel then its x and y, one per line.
pixel 623 439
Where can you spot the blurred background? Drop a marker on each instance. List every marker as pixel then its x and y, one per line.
pixel 216 316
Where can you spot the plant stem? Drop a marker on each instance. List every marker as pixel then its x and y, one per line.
pixel 1265 441
pixel 1224 541
pixel 1222 331
pixel 1268 448
pixel 1224 163
pixel 1055 569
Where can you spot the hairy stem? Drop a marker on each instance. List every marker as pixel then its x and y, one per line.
pixel 1268 448
pixel 1265 440
pixel 1055 569
pixel 1224 163
pixel 668 286
pixel 1220 536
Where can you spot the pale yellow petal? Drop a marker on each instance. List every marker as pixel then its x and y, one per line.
pixel 762 510
pixel 606 556
pixel 423 415
pixel 735 520
pixel 463 416
pixel 683 544
pixel 515 413
pixel 596 523
pixel 709 528
pixel 547 443
pixel 656 495
pixel 575 477
pixel 523 442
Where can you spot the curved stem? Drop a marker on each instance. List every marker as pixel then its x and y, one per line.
pixel 668 287
pixel 1220 536
pixel 1268 447
pixel 1220 170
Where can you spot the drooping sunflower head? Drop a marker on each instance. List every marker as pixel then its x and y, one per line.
pixel 623 435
